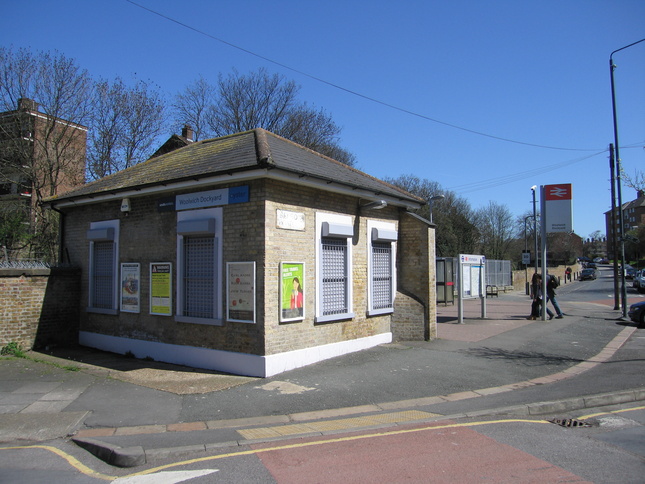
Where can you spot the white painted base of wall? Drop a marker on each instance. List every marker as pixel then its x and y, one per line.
pixel 228 361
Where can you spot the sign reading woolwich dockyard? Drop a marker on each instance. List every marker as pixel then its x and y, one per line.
pixel 557 208
pixel 210 198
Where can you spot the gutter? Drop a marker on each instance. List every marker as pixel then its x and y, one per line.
pixel 241 175
pixel 61 232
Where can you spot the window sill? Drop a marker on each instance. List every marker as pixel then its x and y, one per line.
pixel 334 317
pixel 191 320
pixel 111 312
pixel 378 312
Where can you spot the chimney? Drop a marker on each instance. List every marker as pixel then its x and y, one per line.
pixel 188 133
pixel 25 104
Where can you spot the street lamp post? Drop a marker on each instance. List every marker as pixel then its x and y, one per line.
pixel 535 236
pixel 621 223
pixel 432 200
pixel 526 248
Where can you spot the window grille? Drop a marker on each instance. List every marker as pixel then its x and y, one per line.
pixel 381 275
pixel 199 277
pixel 334 276
pixel 103 275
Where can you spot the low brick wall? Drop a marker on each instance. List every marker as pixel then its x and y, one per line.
pixel 519 277
pixel 39 307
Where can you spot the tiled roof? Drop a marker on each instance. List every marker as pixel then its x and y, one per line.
pixel 240 152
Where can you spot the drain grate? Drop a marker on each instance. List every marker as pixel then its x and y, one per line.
pixel 569 422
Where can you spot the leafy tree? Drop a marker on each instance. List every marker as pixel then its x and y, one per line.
pixel 258 100
pixel 452 215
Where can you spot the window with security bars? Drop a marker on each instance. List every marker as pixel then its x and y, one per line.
pixel 381 275
pixel 335 279
pixel 103 275
pixel 199 277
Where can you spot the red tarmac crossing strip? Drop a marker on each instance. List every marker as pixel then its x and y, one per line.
pixel 444 455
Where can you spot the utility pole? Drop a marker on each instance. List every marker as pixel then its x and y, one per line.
pixel 614 235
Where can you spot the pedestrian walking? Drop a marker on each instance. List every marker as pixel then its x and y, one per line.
pixel 551 284
pixel 538 299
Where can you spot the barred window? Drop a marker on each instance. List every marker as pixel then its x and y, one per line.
pixel 103 276
pixel 199 263
pixel 198 277
pixel 334 276
pixel 381 267
pixel 334 267
pixel 102 271
pixel 381 275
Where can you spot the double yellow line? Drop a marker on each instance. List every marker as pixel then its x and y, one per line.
pixel 79 466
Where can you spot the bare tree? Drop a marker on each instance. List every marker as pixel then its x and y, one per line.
pixel 455 233
pixel 258 100
pixel 145 118
pixel 497 230
pixel 315 130
pixel 46 100
pixel 126 123
pixel 104 139
pixel 246 102
pixel 637 182
pixel 192 107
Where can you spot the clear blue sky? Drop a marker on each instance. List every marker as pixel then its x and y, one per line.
pixel 534 72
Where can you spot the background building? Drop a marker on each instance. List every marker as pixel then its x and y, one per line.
pixel 40 156
pixel 633 220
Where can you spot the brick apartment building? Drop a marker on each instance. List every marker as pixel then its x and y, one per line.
pixel 40 156
pixel 633 218
pixel 248 254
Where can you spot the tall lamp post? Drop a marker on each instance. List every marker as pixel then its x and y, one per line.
pixel 433 199
pixel 621 223
pixel 526 249
pixel 535 236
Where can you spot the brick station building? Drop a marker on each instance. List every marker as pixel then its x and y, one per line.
pixel 247 254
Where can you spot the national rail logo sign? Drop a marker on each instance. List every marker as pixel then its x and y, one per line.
pixel 558 210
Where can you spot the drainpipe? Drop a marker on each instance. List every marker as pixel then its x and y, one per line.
pixel 61 228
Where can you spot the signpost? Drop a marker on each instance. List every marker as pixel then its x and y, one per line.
pixel 556 208
pixel 471 278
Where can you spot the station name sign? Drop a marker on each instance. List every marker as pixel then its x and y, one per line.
pixel 210 198
pixel 558 211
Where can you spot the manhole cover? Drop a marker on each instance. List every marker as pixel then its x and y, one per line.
pixel 569 422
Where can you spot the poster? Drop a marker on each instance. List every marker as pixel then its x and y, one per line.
pixel 130 287
pixel 240 292
pixel 161 288
pixel 292 294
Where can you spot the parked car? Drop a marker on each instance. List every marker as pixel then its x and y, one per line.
pixel 639 281
pixel 637 312
pixel 591 265
pixel 630 272
pixel 587 274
